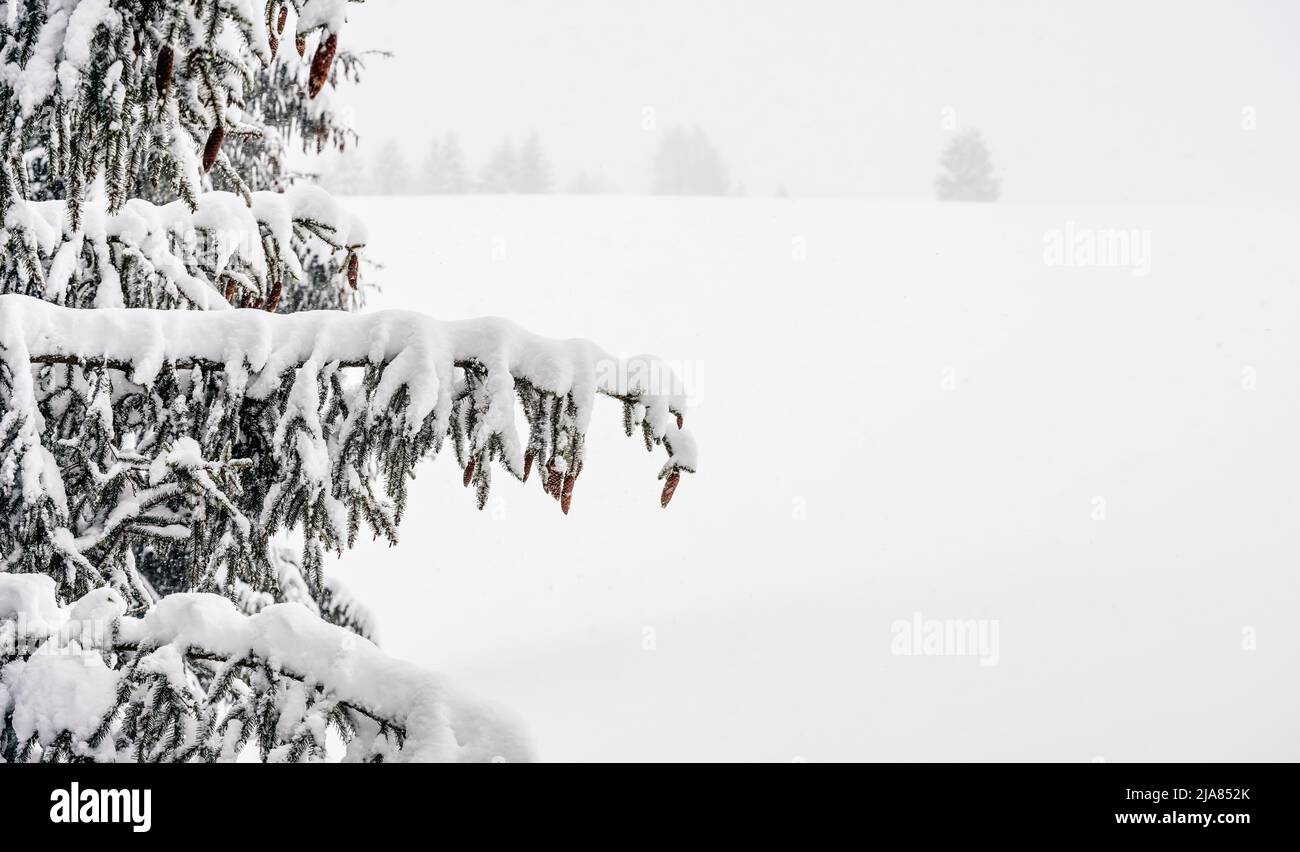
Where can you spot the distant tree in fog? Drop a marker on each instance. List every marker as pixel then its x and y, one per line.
pixel 444 171
pixel 501 174
pixel 391 174
pixel 346 175
pixel 688 164
pixel 968 171
pixel 587 184
pixel 534 175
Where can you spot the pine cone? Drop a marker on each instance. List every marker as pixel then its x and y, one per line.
pixel 301 43
pixel 162 73
pixel 284 16
pixel 554 483
pixel 213 147
pixel 679 421
pixel 670 486
pixel 320 65
pixel 230 289
pixel 469 473
pixel 275 44
pixel 354 270
pixel 566 493
pixel 528 464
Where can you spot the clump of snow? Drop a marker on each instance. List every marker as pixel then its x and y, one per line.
pixel 86 18
pixel 100 605
pixel 30 596
pixel 52 693
pixel 330 14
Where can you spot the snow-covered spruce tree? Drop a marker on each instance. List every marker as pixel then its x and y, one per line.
pixel 156 116
pixel 160 451
pixel 256 247
pixel 967 171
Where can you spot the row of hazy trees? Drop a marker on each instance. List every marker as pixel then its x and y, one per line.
pixel 685 163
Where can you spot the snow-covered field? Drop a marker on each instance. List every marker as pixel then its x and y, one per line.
pixel 901 408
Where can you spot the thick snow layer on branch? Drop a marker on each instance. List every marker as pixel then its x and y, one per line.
pixel 309 423
pixel 279 211
pixel 192 250
pixel 349 667
pixel 52 693
pixel 421 353
pixel 329 14
pixel 60 689
pixel 32 595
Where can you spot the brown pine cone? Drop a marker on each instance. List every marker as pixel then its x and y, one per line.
pixel 213 147
pixel 670 486
pixel 320 65
pixel 162 72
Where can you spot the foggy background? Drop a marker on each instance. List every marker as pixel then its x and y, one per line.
pixel 905 408
pixel 1098 101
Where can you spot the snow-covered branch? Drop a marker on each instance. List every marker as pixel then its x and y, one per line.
pixel 227 250
pixel 260 423
pixel 278 679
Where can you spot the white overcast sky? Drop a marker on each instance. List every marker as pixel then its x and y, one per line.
pixel 1079 101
